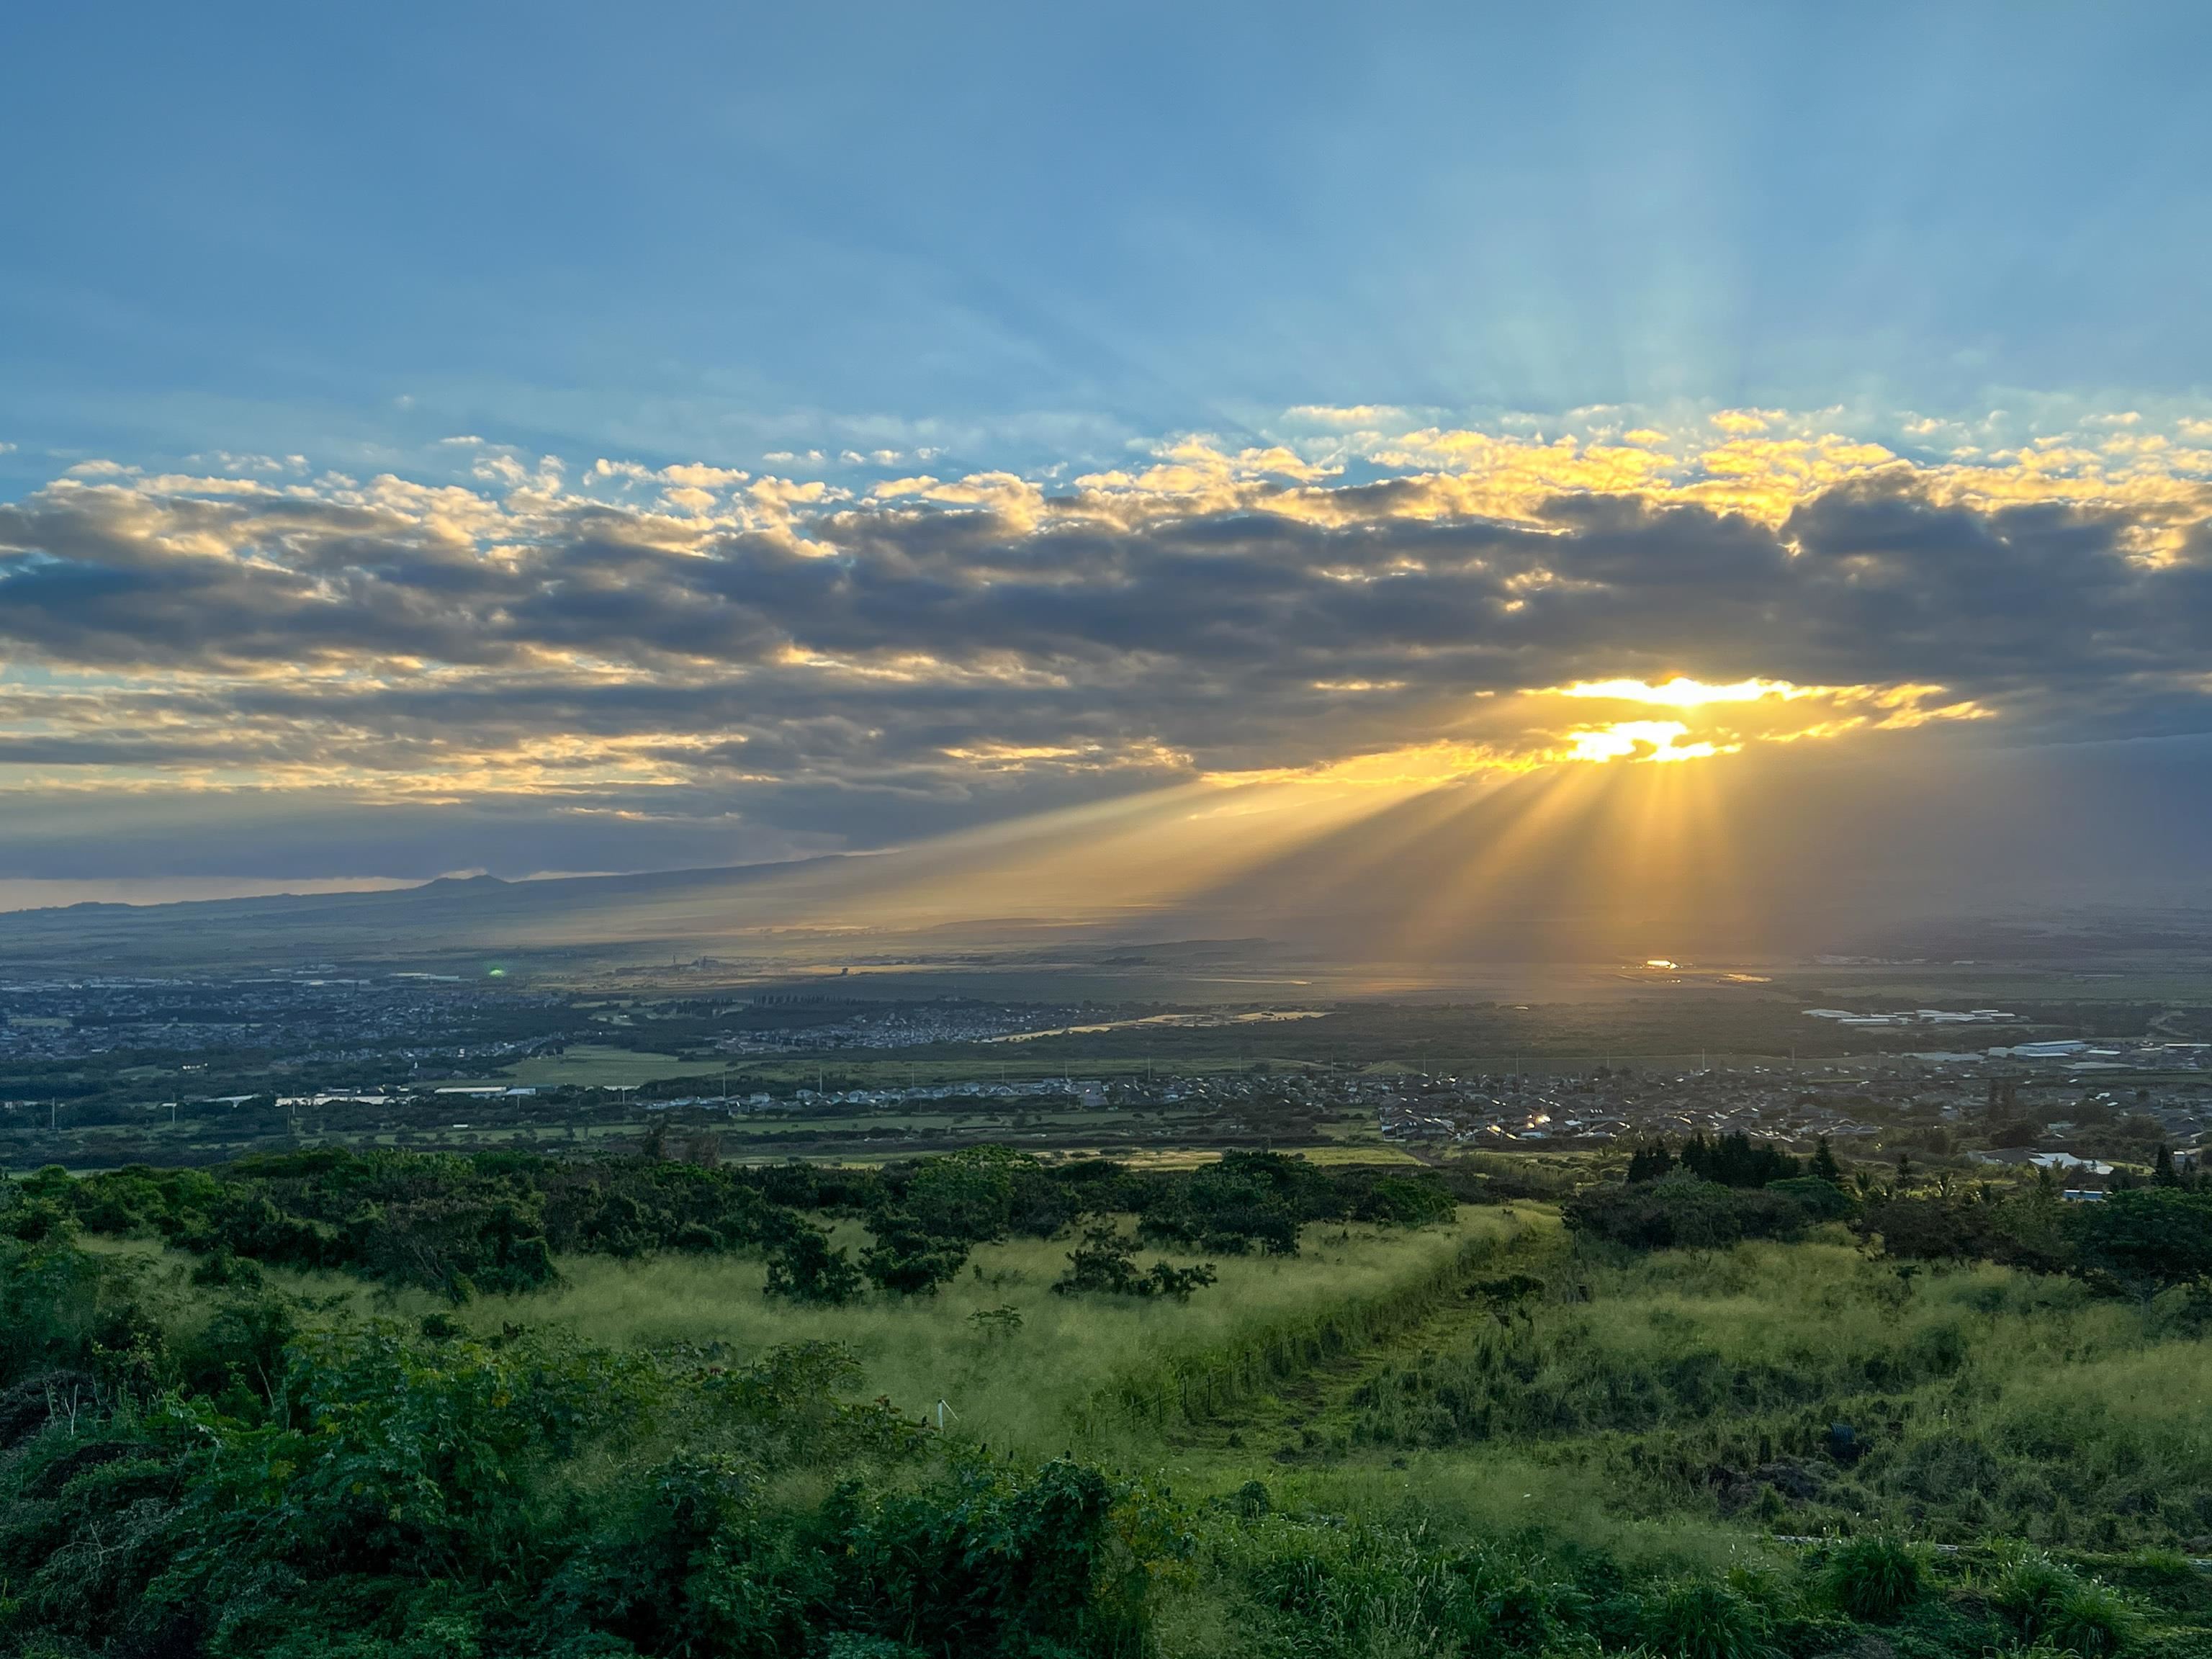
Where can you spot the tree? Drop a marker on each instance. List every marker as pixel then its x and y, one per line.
pixel 1825 1166
pixel 1683 1210
pixel 2162 1173
pixel 1698 1157
pixel 1649 1163
pixel 1824 1201
pixel 908 1260
pixel 1735 1160
pixel 1929 1229
pixel 968 1195
pixel 2145 1240
pixel 1106 1261
pixel 803 1269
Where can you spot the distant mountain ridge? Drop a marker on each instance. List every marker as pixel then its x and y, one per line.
pixel 434 919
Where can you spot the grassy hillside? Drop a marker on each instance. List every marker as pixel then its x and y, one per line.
pixel 1029 1381
pixel 1474 1432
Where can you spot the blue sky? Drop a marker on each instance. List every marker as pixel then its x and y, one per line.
pixel 552 437
pixel 1032 236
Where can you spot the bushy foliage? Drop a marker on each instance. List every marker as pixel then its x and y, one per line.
pixel 1650 1161
pixel 979 1193
pixel 1821 1199
pixel 1399 1201
pixel 1684 1209
pixel 803 1266
pixel 1737 1160
pixel 2052 1605
pixel 1733 1160
pixel 1700 1620
pixel 358 1488
pixel 1106 1262
pixel 1875 1578
pixel 1347 1591
pixel 1247 1200
pixel 1936 1229
pixel 453 1223
pixel 908 1259
pixel 494 1222
pixel 2146 1240
pixel 2137 1241
pixel 1260 1201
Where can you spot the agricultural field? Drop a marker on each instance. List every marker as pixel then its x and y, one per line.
pixel 592 1066
pixel 334 1404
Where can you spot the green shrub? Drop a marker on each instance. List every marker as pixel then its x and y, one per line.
pixel 1403 1201
pixel 1106 1261
pixel 2093 1620
pixel 2147 1240
pixel 1682 1209
pixel 1875 1578
pixel 1822 1199
pixel 1704 1620
pixel 908 1260
pixel 967 1196
pixel 804 1268
pixel 2052 1605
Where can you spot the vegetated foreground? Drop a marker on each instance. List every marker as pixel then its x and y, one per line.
pixel 330 1405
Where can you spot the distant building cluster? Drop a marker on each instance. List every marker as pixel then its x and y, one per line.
pixel 1614 1105
pixel 1914 1017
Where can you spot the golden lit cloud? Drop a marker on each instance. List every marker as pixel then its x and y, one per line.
pixel 1373 611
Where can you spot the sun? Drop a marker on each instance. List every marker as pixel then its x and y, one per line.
pixel 1680 691
pixel 1643 740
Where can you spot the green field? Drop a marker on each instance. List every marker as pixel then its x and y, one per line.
pixel 592 1066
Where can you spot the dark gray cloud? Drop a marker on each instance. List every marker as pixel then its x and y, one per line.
pixel 857 672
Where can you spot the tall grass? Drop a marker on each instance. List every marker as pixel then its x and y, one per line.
pixel 1988 1401
pixel 1069 1364
pixel 1338 1314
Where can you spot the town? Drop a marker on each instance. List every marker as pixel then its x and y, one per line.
pixel 102 1071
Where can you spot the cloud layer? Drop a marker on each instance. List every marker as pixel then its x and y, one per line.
pixel 848 666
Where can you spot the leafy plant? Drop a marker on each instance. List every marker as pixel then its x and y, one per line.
pixel 2052 1604
pixel 1106 1261
pixel 1700 1620
pixel 908 1260
pixel 1684 1209
pixel 996 1322
pixel 804 1268
pixel 1875 1578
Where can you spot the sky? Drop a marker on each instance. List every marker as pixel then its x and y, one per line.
pixel 545 439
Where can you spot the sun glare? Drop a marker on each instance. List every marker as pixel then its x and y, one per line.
pixel 1642 740
pixel 1682 692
